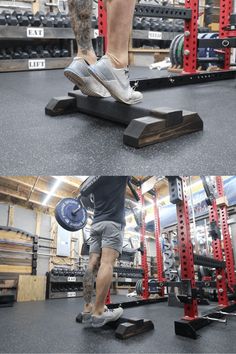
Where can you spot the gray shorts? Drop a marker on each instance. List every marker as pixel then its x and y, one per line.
pixel 106 234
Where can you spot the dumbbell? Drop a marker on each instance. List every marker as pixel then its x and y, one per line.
pixel 145 24
pixel 54 51
pixel 155 24
pixel 137 24
pixel 23 53
pixel 3 20
pixel 32 53
pixel 33 20
pixel 65 20
pixel 56 19
pixel 42 53
pixel 64 53
pixel 11 19
pixel 22 19
pixel 5 55
pixel 45 20
pixel 13 53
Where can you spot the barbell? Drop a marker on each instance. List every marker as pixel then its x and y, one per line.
pixel 71 213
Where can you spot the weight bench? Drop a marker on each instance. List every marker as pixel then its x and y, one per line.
pixel 145 123
pixel 126 327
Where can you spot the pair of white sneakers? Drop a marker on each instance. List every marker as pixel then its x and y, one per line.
pixel 107 316
pixel 102 80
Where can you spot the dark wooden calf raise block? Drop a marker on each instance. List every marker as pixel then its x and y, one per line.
pixel 126 327
pixel 145 125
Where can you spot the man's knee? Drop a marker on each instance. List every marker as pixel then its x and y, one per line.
pixel 109 256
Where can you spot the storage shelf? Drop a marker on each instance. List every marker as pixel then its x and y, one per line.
pixel 65 294
pixel 150 35
pixel 38 64
pixel 65 279
pixel 20 32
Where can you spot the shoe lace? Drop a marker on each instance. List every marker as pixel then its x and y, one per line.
pixel 135 86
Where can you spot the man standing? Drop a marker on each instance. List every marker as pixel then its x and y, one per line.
pixel 106 241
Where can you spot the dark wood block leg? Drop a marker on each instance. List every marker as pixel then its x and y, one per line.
pixel 61 105
pixel 150 130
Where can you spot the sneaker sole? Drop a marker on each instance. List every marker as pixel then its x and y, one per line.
pixel 76 80
pixel 113 94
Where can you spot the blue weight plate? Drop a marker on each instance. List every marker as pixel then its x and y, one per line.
pixel 65 217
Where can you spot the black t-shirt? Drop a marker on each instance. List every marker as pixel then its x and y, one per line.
pixel 109 200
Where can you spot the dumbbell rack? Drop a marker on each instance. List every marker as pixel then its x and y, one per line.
pixel 60 280
pixel 32 34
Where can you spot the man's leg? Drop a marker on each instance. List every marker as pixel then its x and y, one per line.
pixel 104 278
pixel 111 71
pixel 77 71
pixel 119 24
pixel 88 281
pixel 81 15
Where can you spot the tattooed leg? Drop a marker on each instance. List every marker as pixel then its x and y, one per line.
pixel 81 14
pixel 88 281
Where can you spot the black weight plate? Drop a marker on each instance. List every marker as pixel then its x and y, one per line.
pixel 65 217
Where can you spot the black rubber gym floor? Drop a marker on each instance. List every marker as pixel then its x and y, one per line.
pixel 50 327
pixel 33 143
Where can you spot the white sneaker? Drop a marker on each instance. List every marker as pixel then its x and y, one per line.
pixel 78 73
pixel 115 80
pixel 107 316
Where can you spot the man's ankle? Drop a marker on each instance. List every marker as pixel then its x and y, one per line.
pixel 88 307
pixel 90 58
pixel 117 63
pixel 98 311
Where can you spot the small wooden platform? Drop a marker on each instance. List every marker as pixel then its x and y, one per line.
pixel 146 123
pixel 126 327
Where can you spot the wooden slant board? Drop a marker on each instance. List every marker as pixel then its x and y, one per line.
pixel 31 288
pixel 146 125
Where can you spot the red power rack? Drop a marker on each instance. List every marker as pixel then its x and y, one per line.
pixel 102 22
pixel 186 248
pixel 191 38
pixel 157 234
pixel 191 322
pixel 143 242
pixel 218 254
pixel 225 12
pixel 228 249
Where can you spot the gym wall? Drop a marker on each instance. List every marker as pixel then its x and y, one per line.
pixel 43 225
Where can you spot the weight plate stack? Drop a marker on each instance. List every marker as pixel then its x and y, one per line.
pixel 172 49
pixel 180 51
pixel 139 287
